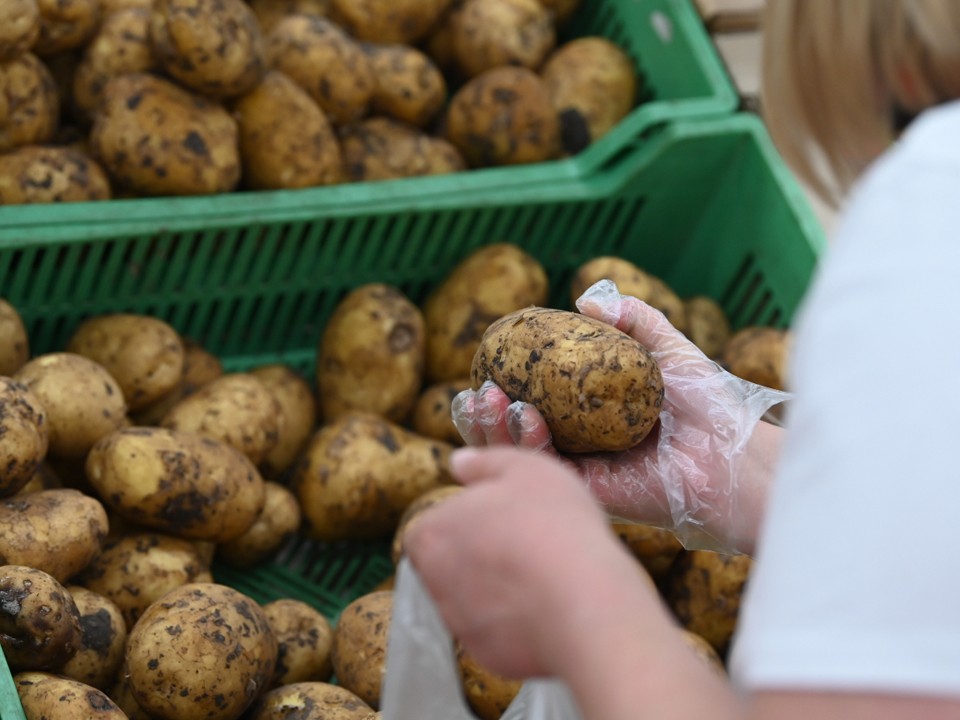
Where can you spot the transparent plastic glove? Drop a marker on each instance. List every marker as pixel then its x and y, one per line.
pixel 685 475
pixel 422 680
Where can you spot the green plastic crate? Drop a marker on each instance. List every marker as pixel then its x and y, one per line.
pixel 705 204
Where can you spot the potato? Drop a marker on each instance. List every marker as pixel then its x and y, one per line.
pixel 593 85
pixel 14 342
pixel 199 368
pixel 489 34
pixel 202 650
pixel 326 62
pixel 438 44
pixel 707 325
pixel 310 701
pixel 704 650
pixel 414 512
pixel 286 140
pixel 504 116
pixel 270 12
pixel 122 695
pixel 144 354
pixel 359 653
pixel 597 388
pixel 304 639
pixel 135 570
pixel 57 531
pixel 155 138
pixel 121 45
pixel 655 548
pixel 384 149
pixel 23 435
pixel 562 10
pixel 66 24
pixel 29 104
pixel 432 415
pixel 44 478
pixel 45 695
pixel 278 522
pixel 82 400
pixel 298 406
pixel 40 620
pixel 213 47
pixel 371 354
pixel 50 174
pixel 19 27
pixel 236 409
pixel 759 355
pixel 410 87
pixel 487 693
pixel 360 473
pixel 388 21
pixel 103 639
pixel 112 6
pixel 486 285
pixel 704 589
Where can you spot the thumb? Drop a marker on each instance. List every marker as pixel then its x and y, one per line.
pixel 473 465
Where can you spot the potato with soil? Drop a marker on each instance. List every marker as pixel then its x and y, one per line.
pixel 19 27
pixel 298 406
pixel 181 483
pixel 360 472
pixel 29 103
pixel 155 138
pixel 655 548
pixel 304 640
pixel 103 639
pixel 704 650
pixel 371 355
pixel 39 621
pixel 144 354
pixel 432 416
pixel 278 522
pixel 489 34
pixel 384 149
pixel 562 10
pixel 286 140
pixel 593 85
pixel 487 693
pixel 66 24
pixel 310 701
pixel 504 116
pixel 23 435
pixel 597 388
pixel 707 325
pixel 202 650
pixel 759 355
pixel 34 174
pixel 135 570
pixel 359 653
pixel 199 368
pixel 213 47
pixel 414 512
pixel 485 285
pixel 388 21
pixel 82 400
pixel 46 695
pixel 410 87
pixel 236 409
pixel 270 12
pixel 58 531
pixel 326 62
pixel 14 342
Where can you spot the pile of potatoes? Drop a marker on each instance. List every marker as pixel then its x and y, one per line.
pixel 132 462
pixel 144 98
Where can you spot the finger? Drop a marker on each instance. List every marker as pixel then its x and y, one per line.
pixel 491 411
pixel 464 414
pixel 478 465
pixel 527 427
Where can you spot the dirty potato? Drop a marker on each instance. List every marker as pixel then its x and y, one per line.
pixel 414 512
pixel 759 355
pixel 199 368
pixel 34 174
pixel 359 653
pixel 304 639
pixel 23 436
pixel 40 620
pixel 707 325
pixel 213 47
pixel 202 650
pixel 388 21
pixel 310 701
pixel 298 406
pixel 705 651
pixel 371 354
pixel 46 695
pixel 326 62
pixel 155 138
pixel 82 400
pixel 488 694
pixel 44 478
pixel 655 548
pixel 562 10
pixel 278 522
pixel 432 416
pixel 270 12
pixel 597 388
pixel 410 87
pixel 489 34
pixel 66 24
pixel 29 103
pixel 504 116
pixel 360 472
pixel 14 342
pixel 103 638
pixel 384 149
pixel 19 27
pixel 144 354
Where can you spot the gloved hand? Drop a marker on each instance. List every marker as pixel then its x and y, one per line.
pixel 702 473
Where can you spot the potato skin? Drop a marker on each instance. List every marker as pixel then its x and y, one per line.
pixel 270 12
pixel 488 34
pixel 432 415
pixel 304 640
pixel 759 355
pixel 199 368
pixel 180 483
pixel 202 650
pixel 388 21
pixel 310 701
pixel 360 472
pixel 597 388
pixel 19 27
pixel 371 354
pixel 278 522
pixel 40 620
pixel 410 87
pixel 45 695
pixel 14 342
pixel 413 513
pixel 298 406
pixel 103 639
pixel 383 149
pixel 58 531
pixel 359 653
pixel 35 174
pixel 29 103
pixel 707 325
pixel 143 354
pixel 65 24
pixel 23 435
pixel 487 693
pixel 655 548
pixel 155 138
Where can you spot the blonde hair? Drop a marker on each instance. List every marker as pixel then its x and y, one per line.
pixel 834 71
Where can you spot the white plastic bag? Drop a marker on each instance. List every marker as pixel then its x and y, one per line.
pixel 422 681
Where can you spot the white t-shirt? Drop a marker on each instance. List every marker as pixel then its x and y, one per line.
pixel 856 585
